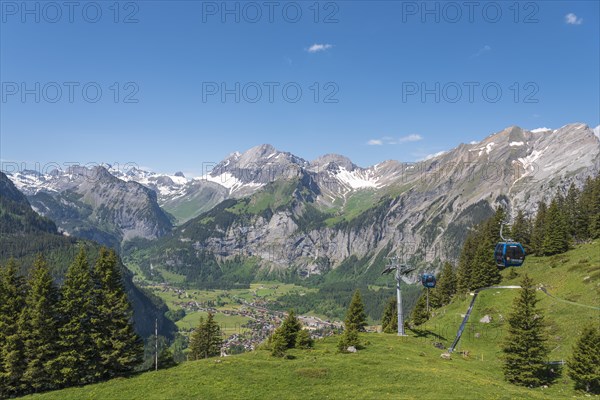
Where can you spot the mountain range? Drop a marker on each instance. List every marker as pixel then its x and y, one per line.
pixel 265 211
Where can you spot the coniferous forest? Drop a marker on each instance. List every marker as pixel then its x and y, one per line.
pixel 53 337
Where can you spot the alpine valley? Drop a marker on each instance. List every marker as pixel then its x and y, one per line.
pixel 269 214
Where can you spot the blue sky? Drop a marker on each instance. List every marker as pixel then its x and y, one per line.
pixel 368 61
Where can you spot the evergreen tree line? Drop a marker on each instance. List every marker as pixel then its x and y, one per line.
pixel 570 218
pixel 53 338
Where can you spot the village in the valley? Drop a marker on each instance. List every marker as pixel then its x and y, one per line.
pixel 246 316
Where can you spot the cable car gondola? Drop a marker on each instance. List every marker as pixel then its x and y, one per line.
pixel 509 254
pixel 428 280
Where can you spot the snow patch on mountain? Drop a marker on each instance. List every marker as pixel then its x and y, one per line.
pixel 596 131
pixel 515 144
pixel 356 179
pixel 528 162
pixel 230 182
pixel 487 149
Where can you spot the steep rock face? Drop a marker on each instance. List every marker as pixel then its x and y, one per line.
pixel 94 204
pixel 420 211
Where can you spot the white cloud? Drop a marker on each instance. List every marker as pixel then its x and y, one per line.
pixel 315 48
pixel 473 142
pixel 572 19
pixel 410 138
pixel 413 137
pixel 481 51
pixel 597 131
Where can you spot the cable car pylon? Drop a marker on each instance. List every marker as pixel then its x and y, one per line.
pixel 401 271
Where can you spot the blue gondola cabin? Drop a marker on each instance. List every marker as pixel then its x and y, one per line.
pixel 509 254
pixel 428 280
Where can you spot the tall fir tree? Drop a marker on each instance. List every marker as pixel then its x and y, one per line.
pixel 206 340
pixel 303 340
pixel 539 228
pixel 594 227
pixel 289 329
pixel 521 230
pixel 389 322
pixel 571 210
pixel 355 316
pixel 38 324
pixel 525 347
pixel 12 362
pixel 485 270
pixel 278 344
pixel 556 236
pixel 419 314
pixel 119 347
pixel 445 287
pixel 76 362
pixel 584 364
pixel 198 341
pixel 464 273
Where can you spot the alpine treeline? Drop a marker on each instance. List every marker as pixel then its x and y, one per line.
pixel 53 338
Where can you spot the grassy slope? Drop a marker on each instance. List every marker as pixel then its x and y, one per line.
pixel 573 276
pixel 390 367
pixel 387 368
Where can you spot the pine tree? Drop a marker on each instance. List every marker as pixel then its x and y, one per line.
pixel 289 329
pixel 355 316
pixel 584 210
pixel 215 338
pixel 485 271
pixel 521 231
pixel 349 338
pixel 39 328
pixel 389 322
pixel 206 340
pixel 445 287
pixel 419 314
pixel 464 275
pixel 278 344
pixel 525 345
pixel 303 340
pixel 197 341
pixel 539 228
pixel 120 349
pixel 594 227
pixel 571 210
pixel 556 237
pixel 78 354
pixel 584 365
pixel 12 364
